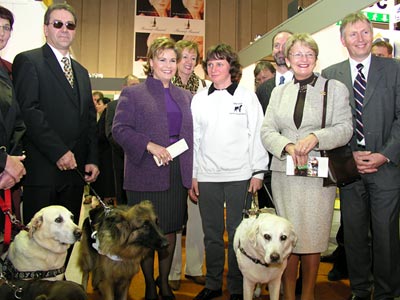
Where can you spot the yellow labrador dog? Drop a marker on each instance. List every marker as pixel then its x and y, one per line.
pixel 262 245
pixel 41 252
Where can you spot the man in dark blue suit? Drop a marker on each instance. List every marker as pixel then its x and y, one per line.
pixel 54 94
pixel 370 206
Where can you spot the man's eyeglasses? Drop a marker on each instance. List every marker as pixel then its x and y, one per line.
pixel 6 28
pixel 59 24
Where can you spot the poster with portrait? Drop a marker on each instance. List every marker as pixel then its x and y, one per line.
pixel 178 19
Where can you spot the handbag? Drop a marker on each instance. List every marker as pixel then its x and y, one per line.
pixel 342 167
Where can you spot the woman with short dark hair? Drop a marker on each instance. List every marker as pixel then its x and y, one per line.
pixel 227 151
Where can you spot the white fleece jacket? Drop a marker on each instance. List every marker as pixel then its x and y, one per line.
pixel 227 142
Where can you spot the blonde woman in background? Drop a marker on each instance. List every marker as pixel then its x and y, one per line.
pixel 194 244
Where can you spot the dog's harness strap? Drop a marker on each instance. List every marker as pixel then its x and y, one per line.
pixel 10 272
pixel 254 260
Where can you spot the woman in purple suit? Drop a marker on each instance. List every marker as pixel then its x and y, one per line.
pixel 149 117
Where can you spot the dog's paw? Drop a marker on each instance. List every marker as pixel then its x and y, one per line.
pixel 257 291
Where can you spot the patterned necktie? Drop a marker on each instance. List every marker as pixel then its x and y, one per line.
pixel 359 87
pixel 281 80
pixel 68 71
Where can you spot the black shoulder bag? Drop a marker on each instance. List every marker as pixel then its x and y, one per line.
pixel 342 167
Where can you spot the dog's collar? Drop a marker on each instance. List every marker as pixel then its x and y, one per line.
pixel 254 260
pixel 10 272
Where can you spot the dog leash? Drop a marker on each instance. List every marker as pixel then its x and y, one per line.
pixel 107 209
pixel 17 290
pixel 9 219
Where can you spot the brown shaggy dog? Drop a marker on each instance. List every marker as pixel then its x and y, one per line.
pixel 122 237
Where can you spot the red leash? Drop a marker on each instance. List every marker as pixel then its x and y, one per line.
pixel 6 207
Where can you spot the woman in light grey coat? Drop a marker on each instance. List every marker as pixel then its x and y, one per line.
pixel 292 127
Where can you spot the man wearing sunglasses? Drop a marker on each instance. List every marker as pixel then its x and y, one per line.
pixel 55 97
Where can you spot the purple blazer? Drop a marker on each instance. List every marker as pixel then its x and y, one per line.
pixel 141 117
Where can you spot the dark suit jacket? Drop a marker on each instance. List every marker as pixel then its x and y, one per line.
pixel 117 154
pixel 58 118
pixel 381 111
pixel 264 91
pixel 104 184
pixel 12 127
pixel 110 113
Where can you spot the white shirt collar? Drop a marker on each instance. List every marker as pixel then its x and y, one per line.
pixel 353 67
pixel 59 56
pixel 288 76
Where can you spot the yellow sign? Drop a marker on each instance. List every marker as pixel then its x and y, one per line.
pixel 48 2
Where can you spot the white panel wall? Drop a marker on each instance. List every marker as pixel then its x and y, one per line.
pixel 28 26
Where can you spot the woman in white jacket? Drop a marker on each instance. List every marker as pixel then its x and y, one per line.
pixel 227 150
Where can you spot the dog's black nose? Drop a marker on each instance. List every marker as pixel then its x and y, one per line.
pixel 77 234
pixel 274 257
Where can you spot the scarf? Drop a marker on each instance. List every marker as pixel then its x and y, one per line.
pixel 192 84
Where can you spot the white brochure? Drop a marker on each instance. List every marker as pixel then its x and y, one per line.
pixel 316 167
pixel 174 150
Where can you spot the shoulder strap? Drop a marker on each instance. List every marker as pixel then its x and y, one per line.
pixel 203 82
pixel 324 104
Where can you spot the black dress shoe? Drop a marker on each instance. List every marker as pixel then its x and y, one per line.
pixel 236 297
pixel 207 294
pixel 354 297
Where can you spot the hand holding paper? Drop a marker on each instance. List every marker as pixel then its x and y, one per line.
pixel 174 150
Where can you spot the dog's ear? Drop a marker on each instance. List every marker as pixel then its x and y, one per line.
pixel 291 241
pixel 252 234
pixel 35 224
pixel 293 237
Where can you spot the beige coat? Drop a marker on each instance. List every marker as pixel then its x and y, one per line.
pixel 278 128
pixel 303 200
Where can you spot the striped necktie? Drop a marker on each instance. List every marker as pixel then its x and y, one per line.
pixel 359 87
pixel 68 70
